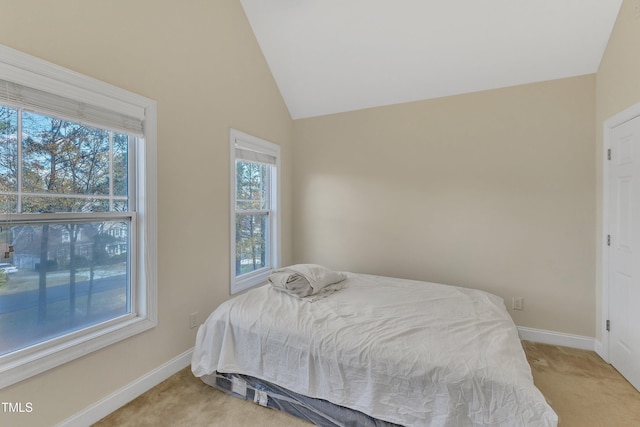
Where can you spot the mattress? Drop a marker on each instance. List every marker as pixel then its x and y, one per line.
pixel 405 352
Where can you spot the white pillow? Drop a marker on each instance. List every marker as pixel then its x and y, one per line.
pixel 305 280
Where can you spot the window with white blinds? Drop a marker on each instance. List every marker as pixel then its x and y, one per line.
pixel 254 217
pixel 77 215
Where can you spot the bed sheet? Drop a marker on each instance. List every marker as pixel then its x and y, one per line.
pixel 403 351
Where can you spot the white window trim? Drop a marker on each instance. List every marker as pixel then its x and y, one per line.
pixel 242 140
pixel 33 72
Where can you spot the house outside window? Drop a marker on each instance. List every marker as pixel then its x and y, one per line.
pixel 77 179
pixel 255 242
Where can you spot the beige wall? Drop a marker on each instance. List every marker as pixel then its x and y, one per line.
pixel 200 61
pixel 491 190
pixel 617 88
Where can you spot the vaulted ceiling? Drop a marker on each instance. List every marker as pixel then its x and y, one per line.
pixel 331 56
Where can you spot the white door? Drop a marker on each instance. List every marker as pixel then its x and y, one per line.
pixel 624 250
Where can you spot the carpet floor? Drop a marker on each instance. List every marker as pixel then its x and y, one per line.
pixel 582 389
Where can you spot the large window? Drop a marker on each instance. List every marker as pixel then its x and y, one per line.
pixel 77 224
pixel 254 217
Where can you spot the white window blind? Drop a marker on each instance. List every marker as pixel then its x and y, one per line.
pixel 35 100
pixel 255 151
pixel 255 156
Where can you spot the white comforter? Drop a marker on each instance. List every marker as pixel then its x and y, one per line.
pixel 408 352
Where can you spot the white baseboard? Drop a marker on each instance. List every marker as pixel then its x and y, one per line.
pixel 126 394
pixel 557 338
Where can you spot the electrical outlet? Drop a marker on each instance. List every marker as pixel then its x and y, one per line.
pixel 193 320
pixel 517 303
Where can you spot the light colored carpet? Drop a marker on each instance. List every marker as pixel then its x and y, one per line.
pixel 185 401
pixel 582 389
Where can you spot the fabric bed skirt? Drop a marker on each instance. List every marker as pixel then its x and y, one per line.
pixel 317 411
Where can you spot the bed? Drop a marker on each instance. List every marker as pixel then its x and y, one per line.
pixel 372 350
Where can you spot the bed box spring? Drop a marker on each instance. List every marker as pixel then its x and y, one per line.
pixel 317 411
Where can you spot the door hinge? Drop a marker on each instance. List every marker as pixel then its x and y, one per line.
pixel 609 154
pixel 608 239
pixel 608 325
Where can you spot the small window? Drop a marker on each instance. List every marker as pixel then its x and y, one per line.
pixel 254 217
pixel 77 179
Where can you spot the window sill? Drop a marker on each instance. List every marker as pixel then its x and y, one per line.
pixel 250 280
pixel 19 366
